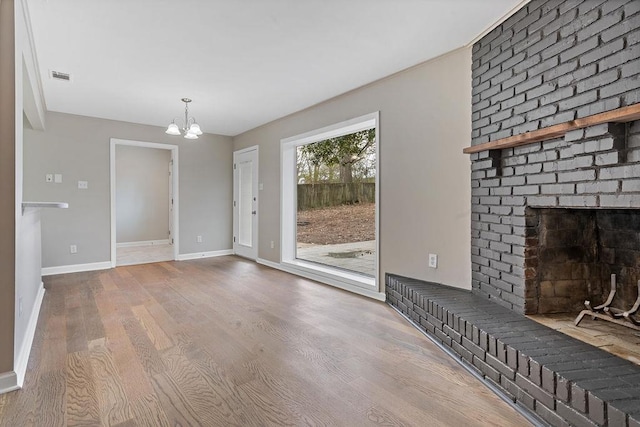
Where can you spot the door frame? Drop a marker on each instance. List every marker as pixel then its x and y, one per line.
pixel 174 181
pixel 256 179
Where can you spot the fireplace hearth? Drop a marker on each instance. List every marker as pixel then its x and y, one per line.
pixel 562 380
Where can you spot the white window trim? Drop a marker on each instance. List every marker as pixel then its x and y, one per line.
pixel 288 181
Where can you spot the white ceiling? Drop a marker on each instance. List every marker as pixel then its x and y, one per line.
pixel 243 62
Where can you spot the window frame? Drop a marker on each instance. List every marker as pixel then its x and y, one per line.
pixel 288 210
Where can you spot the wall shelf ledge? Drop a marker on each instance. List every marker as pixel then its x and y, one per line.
pixel 620 115
pixel 38 205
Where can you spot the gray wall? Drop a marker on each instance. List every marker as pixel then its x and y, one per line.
pixel 7 184
pixel 142 194
pixel 78 147
pixel 19 247
pixel 424 177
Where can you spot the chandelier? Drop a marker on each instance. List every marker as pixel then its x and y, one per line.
pixel 191 129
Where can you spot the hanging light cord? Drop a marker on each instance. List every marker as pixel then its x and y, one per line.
pixel 186 114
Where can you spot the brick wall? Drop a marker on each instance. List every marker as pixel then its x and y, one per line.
pixel 551 62
pixel 555 61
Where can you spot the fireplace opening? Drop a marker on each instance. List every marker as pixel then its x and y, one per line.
pixel 570 257
pixel 577 251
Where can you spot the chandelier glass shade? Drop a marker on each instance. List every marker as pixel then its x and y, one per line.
pixel 190 128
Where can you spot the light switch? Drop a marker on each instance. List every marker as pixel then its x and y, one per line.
pixel 433 260
pixel 57 178
pixel 83 185
pixel 261 186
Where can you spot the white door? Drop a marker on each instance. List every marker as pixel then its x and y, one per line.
pixel 245 202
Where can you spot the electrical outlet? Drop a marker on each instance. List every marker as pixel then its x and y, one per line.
pixel 272 245
pixel 83 185
pixel 48 177
pixel 433 260
pixel 73 249
pixel 199 239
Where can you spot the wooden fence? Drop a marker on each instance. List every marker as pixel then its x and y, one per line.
pixel 324 195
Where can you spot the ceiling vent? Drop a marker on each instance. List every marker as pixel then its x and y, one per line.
pixel 60 76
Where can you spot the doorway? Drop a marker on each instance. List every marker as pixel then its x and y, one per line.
pixel 144 202
pixel 245 202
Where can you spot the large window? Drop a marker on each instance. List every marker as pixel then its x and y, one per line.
pixel 336 202
pixel 330 190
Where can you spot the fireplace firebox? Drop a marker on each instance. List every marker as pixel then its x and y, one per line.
pixel 577 251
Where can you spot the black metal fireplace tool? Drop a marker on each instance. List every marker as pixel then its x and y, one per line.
pixel 612 314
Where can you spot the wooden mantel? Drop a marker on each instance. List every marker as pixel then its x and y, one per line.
pixel 620 115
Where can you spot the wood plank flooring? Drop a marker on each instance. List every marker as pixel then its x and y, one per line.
pixel 227 342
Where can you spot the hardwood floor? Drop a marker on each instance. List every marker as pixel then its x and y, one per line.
pixel 225 341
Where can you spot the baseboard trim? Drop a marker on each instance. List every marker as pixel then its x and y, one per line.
pixel 77 268
pixel 143 243
pixel 8 382
pixel 210 254
pixel 269 263
pixel 20 365
pixel 380 296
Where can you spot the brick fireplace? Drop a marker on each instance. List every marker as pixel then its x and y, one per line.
pixel 552 217
pixel 552 62
pixel 574 182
